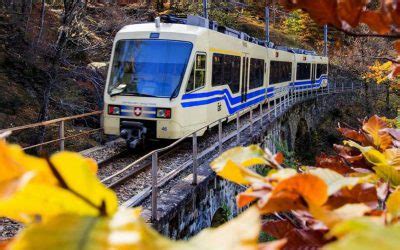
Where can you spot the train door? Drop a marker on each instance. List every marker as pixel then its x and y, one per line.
pixel 245 77
pixel 313 69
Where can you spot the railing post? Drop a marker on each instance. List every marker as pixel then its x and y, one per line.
pixel 352 86
pixel 251 120
pixel 261 115
pixel 269 110
pixel 220 136
pixel 342 86
pixel 237 128
pixel 275 107
pixel 194 158
pixel 154 188
pixel 61 135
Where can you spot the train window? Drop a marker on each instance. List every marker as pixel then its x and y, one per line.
pixel 280 72
pixel 322 69
pixel 256 73
pixel 149 67
pixel 226 71
pixel 197 77
pixel 303 71
pixel 190 85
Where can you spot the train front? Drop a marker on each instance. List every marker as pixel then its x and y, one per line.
pixel 147 68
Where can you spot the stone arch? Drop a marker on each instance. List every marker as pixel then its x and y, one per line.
pixel 302 144
pixel 286 135
pixel 220 217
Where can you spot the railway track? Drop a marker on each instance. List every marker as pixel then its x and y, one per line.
pixel 130 177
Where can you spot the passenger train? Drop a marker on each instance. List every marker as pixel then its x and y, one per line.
pixel 169 79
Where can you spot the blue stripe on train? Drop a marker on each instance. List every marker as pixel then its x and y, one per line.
pixel 231 102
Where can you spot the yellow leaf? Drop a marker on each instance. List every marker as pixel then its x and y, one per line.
pixel 233 164
pixel 334 180
pixel 372 155
pixel 365 234
pixel 388 173
pixel 281 174
pixel 36 188
pixel 393 205
pixel 393 157
pixel 238 234
pixel 331 218
pixel 126 230
pixel 77 172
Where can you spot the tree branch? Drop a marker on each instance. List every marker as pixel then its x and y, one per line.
pixel 354 34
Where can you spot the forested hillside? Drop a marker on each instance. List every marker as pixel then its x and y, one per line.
pixel 54 54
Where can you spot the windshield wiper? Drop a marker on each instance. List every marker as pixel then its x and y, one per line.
pixel 118 89
pixel 174 93
pixel 140 94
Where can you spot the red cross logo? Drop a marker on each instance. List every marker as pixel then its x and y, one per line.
pixel 137 111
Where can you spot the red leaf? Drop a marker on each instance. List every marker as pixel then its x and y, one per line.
pixel 349 154
pixel 334 163
pixel 361 193
pixel 296 238
pixel 357 136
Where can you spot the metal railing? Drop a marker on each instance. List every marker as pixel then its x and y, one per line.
pixel 285 102
pixel 61 129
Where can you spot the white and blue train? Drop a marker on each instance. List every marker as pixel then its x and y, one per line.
pixel 168 79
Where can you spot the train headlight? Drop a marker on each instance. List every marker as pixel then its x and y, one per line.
pixel 163 113
pixel 114 110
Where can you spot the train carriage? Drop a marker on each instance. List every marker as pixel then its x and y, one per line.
pixel 167 80
pixel 311 72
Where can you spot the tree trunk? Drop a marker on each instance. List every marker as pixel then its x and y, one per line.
pixel 387 97
pixel 71 10
pixel 367 98
pixel 42 13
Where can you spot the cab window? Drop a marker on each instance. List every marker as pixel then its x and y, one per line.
pixel 197 77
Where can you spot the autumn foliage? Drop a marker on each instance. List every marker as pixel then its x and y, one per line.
pixel 350 200
pixel 382 17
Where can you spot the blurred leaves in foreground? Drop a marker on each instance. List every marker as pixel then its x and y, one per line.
pixel 348 200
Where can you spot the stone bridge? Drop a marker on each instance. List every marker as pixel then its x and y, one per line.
pixel 186 209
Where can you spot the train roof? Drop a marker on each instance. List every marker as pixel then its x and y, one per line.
pixel 165 27
pixel 195 25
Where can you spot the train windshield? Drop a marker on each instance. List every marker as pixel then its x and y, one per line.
pixel 151 68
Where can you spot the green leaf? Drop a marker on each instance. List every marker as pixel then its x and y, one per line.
pixel 388 173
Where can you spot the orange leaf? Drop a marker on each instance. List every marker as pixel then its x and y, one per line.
pixel 395 70
pixel 350 11
pixel 322 11
pixel 354 135
pixel 249 196
pixel 377 21
pixel 279 158
pixel 291 193
pixel 375 127
pixel 397 46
